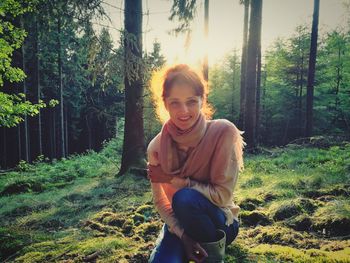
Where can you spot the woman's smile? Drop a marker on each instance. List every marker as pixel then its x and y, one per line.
pixel 183 105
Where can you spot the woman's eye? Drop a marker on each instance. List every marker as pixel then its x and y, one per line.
pixel 192 102
pixel 174 103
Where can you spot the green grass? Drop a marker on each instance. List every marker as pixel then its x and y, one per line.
pixel 295 208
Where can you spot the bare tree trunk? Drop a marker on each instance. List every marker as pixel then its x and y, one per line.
pixel 26 137
pixel 243 65
pixel 301 86
pixel 251 79
pixel 4 149
pixel 62 144
pixel 258 77
pixel 66 129
pixel 19 142
pixel 311 73
pixel 258 91
pixel 133 146
pixel 206 31
pixel 89 131
pixel 54 140
pixel 37 73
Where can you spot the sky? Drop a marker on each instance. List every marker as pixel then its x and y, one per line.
pixel 279 19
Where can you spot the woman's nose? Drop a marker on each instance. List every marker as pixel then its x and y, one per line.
pixel 184 108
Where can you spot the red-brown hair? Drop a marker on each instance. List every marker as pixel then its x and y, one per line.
pixel 183 74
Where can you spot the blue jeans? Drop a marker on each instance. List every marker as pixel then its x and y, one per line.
pixel 200 219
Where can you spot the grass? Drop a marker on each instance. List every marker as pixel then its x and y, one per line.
pixel 295 208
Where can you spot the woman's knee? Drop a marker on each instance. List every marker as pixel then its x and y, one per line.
pixel 183 199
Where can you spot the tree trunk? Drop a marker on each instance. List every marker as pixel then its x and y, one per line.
pixel 66 129
pixel 54 141
pixel 62 144
pixel 206 31
pixel 258 91
pixel 133 146
pixel 37 74
pixel 311 72
pixel 251 78
pixel 26 137
pixel 300 106
pixel 3 159
pixel 258 76
pixel 243 65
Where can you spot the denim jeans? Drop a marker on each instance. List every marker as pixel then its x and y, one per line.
pixel 200 219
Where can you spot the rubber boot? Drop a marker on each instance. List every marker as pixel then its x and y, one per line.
pixel 216 249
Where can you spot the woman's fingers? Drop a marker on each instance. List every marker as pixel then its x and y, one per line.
pixel 200 251
pixel 157 175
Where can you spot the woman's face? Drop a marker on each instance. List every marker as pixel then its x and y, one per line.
pixel 183 105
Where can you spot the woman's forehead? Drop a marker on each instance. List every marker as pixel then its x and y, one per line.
pixel 182 91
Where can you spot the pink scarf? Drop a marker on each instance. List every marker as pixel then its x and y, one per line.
pixel 202 141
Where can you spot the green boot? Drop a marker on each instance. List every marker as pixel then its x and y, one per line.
pixel 216 249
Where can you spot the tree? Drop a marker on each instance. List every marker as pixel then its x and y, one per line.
pixel 258 76
pixel 311 71
pixel 224 85
pixel 133 146
pixel 206 32
pixel 251 77
pixel 243 64
pixel 14 107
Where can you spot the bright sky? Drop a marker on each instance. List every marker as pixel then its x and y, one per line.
pixel 279 19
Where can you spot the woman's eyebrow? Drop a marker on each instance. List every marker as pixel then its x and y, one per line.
pixel 189 98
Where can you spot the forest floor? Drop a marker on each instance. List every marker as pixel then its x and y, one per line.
pixel 295 205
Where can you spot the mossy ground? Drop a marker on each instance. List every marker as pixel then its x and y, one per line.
pixel 295 208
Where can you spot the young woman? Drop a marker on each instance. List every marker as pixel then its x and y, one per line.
pixel 193 164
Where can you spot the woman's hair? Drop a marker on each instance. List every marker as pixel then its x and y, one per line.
pixel 181 74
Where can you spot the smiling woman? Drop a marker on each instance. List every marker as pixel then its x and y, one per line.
pixel 180 100
pixel 193 164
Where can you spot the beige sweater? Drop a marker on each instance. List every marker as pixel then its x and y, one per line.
pixel 217 188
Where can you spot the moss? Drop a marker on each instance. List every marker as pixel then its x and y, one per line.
pixel 22 187
pixel 138 219
pixel 300 223
pixel 287 210
pixel 333 219
pixel 252 182
pixel 250 203
pixel 254 218
pixel 288 254
pixel 279 235
pixel 98 227
pixel 32 257
pixel 236 253
pixel 147 211
pixel 127 227
pixel 149 230
pixel 114 220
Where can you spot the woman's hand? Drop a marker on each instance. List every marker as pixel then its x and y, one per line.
pixel 193 249
pixel 157 175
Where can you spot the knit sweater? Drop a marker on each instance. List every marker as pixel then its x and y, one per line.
pixel 218 187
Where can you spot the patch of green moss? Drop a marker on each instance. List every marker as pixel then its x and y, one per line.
pixel 128 226
pixel 288 254
pixel 254 218
pixel 333 219
pixel 149 230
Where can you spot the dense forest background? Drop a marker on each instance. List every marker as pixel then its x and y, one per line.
pixel 76 115
pixel 78 73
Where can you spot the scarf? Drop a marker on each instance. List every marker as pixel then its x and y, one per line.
pixel 202 142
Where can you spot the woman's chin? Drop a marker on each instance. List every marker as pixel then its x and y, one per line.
pixel 184 125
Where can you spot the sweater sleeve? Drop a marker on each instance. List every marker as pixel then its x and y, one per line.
pixel 160 199
pixel 224 169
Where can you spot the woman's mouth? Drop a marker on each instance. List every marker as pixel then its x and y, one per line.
pixel 184 119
